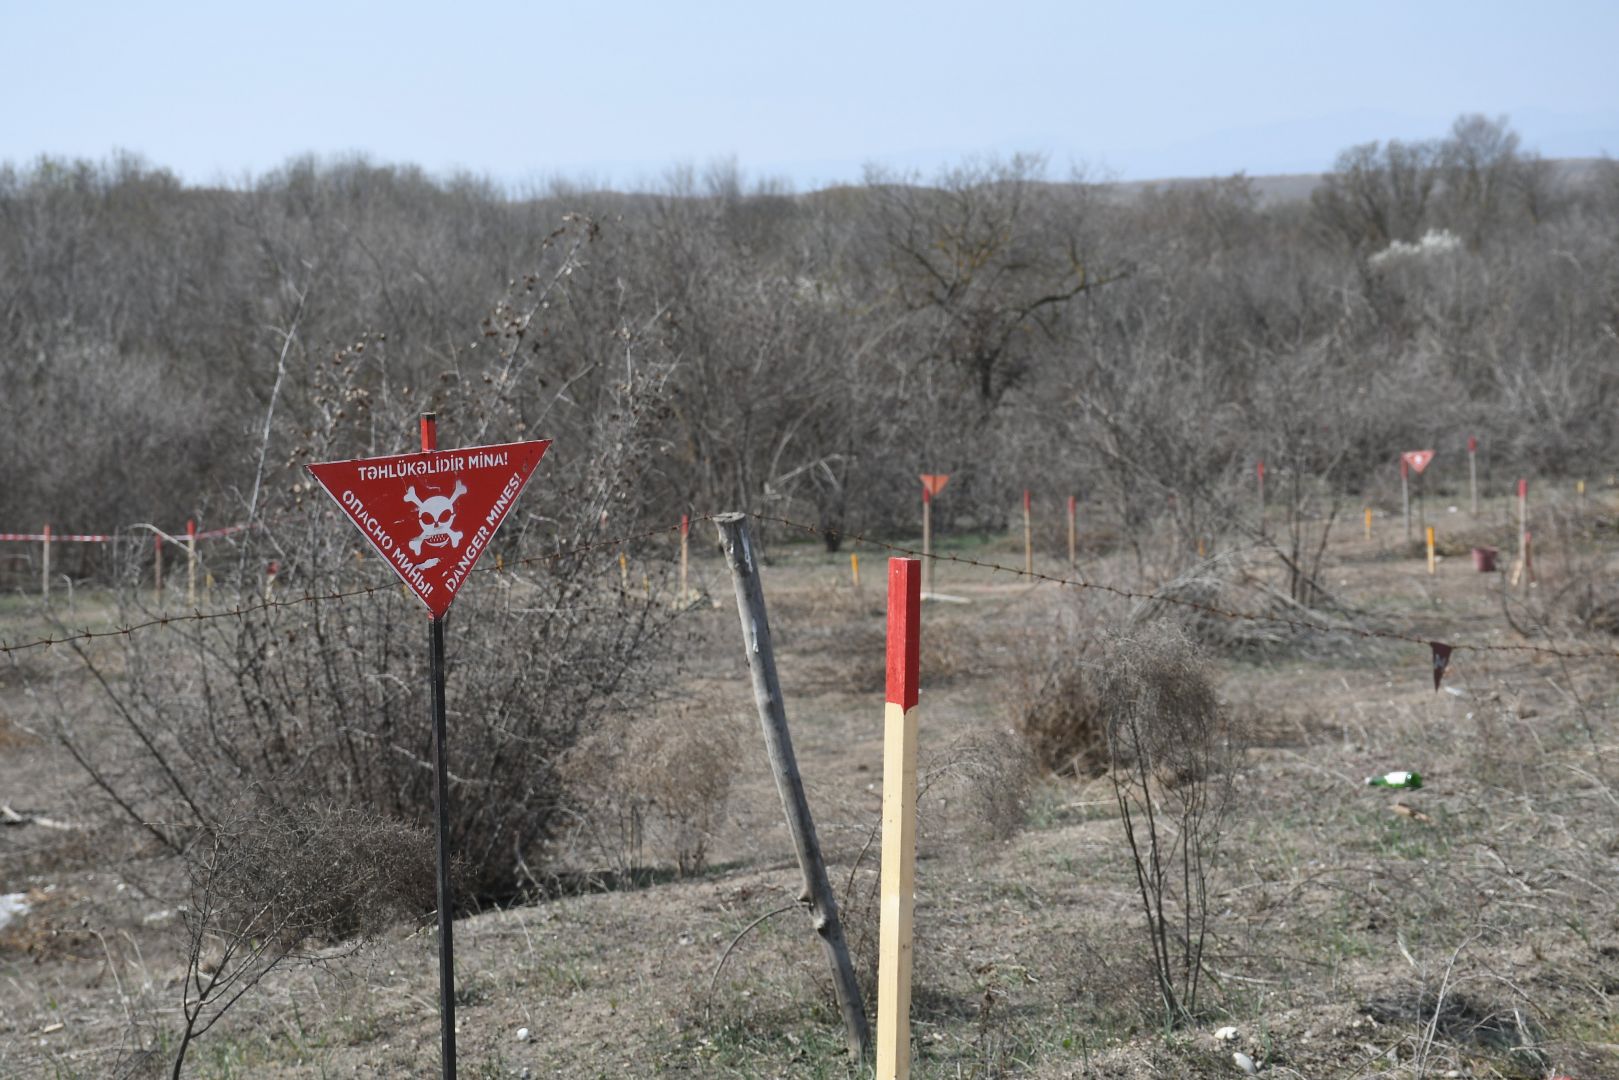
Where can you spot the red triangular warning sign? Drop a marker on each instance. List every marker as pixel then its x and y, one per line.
pixel 1417 459
pixel 933 483
pixel 431 515
pixel 1441 661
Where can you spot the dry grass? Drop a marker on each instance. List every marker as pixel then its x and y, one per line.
pixel 1346 939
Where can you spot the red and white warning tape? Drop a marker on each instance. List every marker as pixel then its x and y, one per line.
pixel 105 538
pixel 35 538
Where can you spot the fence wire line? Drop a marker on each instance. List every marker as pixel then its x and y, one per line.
pixel 269 603
pixel 853 538
pixel 1194 605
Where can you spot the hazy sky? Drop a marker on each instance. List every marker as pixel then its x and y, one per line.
pixel 617 92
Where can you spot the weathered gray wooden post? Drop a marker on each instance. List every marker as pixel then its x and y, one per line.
pixel 817 891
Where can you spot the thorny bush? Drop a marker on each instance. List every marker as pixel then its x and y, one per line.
pixel 323 702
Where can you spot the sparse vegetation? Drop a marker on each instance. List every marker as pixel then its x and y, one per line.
pixel 191 811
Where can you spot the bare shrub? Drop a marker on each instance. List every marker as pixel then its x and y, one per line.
pixel 986 777
pixel 321 701
pixel 1270 623
pixel 666 780
pixel 1059 714
pixel 269 886
pixel 1170 751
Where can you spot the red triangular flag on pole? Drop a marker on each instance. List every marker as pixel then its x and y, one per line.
pixel 1441 661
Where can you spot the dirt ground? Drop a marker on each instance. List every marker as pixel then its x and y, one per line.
pixel 1477 934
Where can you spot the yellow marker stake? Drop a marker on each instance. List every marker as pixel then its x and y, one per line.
pixel 624 571
pixel 1368 523
pixel 854 569
pixel 899 822
pixel 1430 551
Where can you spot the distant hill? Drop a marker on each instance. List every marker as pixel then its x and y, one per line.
pixel 1296 187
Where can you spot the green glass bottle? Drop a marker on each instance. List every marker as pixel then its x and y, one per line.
pixel 1407 780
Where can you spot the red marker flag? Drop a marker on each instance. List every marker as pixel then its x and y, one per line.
pixel 431 515
pixel 1441 661
pixel 1472 444
pixel 932 484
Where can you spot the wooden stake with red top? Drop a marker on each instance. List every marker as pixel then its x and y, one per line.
pixel 1028 535
pixel 899 822
pixel 1405 494
pixel 45 563
pixel 1073 525
pixel 685 530
pixel 927 531
pixel 191 564
pixel 1259 470
pixel 1472 470
pixel 932 484
pixel 1523 529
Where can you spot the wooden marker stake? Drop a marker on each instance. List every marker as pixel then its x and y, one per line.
pixel 191 564
pixel 927 533
pixel 1368 523
pixel 899 823
pixel 1431 563
pixel 1523 529
pixel 1472 470
pixel 685 530
pixel 157 563
pixel 1259 471
pixel 623 572
pixel 816 889
pixel 45 563
pixel 854 569
pixel 1073 531
pixel 1028 535
pixel 1405 495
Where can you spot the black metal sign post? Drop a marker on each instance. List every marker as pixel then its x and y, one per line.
pixel 441 812
pixel 441 808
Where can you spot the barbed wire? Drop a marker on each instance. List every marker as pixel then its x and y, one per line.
pixel 1200 606
pixel 270 603
pixel 1194 605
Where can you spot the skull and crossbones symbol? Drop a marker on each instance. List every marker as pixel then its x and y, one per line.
pixel 437 516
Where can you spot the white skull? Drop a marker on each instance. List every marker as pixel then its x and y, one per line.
pixel 437 516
